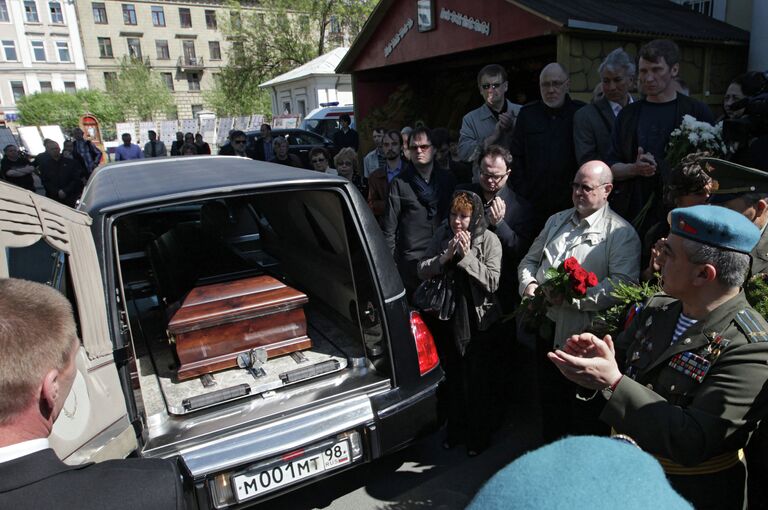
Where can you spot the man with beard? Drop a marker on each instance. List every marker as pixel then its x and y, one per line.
pixel 542 146
pixel 509 216
pixel 604 244
pixel 89 153
pixel 378 181
pixel 592 124
pixel 491 123
pixel 419 198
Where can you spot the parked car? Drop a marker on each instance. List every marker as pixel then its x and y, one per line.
pixel 300 142
pixel 148 232
pixel 325 120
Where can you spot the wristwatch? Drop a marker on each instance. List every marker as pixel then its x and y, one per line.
pixel 607 392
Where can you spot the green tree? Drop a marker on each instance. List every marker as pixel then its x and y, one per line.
pixel 140 93
pixel 64 109
pixel 281 35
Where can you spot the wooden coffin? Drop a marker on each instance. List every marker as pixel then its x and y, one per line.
pixel 217 322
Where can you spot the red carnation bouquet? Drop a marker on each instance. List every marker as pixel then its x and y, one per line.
pixel 569 280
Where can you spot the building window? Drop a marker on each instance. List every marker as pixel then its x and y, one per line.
pixel 188 50
pixel 4 12
pixel 30 11
pixel 304 23
pixel 38 51
pixel 235 20
pixel 17 90
pixel 196 109
pixel 210 20
pixel 99 13
pixel 134 47
pixel 215 48
pixel 63 48
pixel 129 14
pixel 110 79
pixel 57 16
pixel 45 86
pixel 9 49
pixel 168 80
pixel 162 50
pixel 105 47
pixel 158 16
pixel 193 79
pixel 185 17
pixel 70 87
pixel 335 25
pixel 702 6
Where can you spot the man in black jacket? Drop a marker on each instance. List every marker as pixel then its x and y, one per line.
pixel 641 133
pixel 419 199
pixel 38 351
pixel 61 176
pixel 542 146
pixel 509 216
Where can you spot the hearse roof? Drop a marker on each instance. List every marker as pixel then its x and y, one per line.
pixel 146 181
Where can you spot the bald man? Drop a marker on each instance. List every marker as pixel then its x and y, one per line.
pixel 603 243
pixel 542 146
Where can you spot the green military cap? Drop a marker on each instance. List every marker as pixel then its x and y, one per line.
pixel 715 226
pixel 731 180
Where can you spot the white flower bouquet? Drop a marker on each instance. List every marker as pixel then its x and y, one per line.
pixel 696 136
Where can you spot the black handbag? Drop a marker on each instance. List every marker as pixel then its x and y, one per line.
pixel 435 296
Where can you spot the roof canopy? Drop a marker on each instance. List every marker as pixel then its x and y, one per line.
pixel 391 35
pixel 322 65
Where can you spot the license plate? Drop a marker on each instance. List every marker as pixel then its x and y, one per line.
pixel 250 485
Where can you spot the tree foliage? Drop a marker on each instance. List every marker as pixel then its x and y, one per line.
pixel 64 109
pixel 279 36
pixel 139 93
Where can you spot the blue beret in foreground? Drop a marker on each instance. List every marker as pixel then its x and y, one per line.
pixel 715 226
pixel 592 472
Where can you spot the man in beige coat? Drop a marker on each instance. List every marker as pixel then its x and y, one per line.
pixel 604 244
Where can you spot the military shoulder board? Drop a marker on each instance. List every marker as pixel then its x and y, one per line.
pixel 751 324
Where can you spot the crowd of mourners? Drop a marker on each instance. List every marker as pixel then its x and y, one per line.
pixel 487 217
pixel 528 186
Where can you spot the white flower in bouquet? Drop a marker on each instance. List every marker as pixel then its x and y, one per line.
pixel 696 136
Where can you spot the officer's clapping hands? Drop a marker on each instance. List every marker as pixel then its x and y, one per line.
pixel 588 361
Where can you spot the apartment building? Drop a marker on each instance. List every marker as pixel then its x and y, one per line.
pixel 40 52
pixel 181 41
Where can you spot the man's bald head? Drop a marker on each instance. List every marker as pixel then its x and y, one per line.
pixel 598 169
pixel 591 187
pixel 553 84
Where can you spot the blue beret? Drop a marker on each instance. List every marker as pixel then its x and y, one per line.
pixel 715 226
pixel 598 473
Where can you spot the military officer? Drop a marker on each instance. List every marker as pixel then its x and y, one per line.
pixel 745 190
pixel 692 390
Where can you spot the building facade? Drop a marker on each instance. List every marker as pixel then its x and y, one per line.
pixel 40 52
pixel 181 41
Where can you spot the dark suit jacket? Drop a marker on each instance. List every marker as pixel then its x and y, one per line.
pixel 41 480
pixel 516 232
pixel 592 127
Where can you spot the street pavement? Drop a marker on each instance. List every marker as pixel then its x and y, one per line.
pixel 424 475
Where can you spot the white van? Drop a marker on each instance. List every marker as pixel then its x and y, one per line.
pixel 325 120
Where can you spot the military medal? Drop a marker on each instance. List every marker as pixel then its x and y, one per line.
pixel 691 364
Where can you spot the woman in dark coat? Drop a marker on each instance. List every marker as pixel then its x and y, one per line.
pixel 470 255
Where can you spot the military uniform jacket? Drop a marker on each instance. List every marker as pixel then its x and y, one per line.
pixel 760 255
pixel 691 417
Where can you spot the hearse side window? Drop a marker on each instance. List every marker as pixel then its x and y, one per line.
pixel 42 263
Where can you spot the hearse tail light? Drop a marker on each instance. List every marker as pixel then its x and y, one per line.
pixel 425 344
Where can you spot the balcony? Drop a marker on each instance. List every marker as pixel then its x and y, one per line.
pixel 186 64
